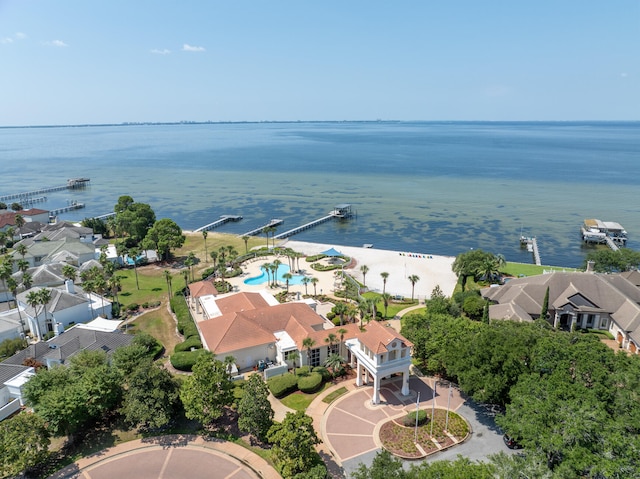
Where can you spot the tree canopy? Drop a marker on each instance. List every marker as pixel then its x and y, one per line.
pixel 254 409
pixel 608 261
pixel 24 442
pixel 477 263
pixel 164 236
pixel 294 442
pixel 133 219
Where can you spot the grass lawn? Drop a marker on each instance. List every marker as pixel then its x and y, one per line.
pixel 300 401
pixel 160 324
pixel 392 309
pixel 329 398
pixel 517 269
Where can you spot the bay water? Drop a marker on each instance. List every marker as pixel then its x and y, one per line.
pixel 429 187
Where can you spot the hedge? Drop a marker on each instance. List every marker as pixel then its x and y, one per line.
pixel 410 419
pixel 303 371
pixel 184 360
pixel 282 385
pixel 324 372
pixel 311 383
pixel 192 342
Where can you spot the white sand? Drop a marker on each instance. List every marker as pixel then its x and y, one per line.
pixel 431 269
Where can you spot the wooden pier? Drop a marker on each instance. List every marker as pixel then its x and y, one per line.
pixel 610 243
pixel 105 216
pixel 73 206
pixel 29 201
pixel 342 211
pixel 270 224
pixel 532 247
pixel 223 219
pixel 72 184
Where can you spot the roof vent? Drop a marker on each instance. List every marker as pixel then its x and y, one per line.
pixel 53 346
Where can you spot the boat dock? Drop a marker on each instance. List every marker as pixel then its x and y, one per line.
pixel 532 247
pixel 223 219
pixel 71 207
pixel 342 211
pixel 270 224
pixel 611 244
pixel 105 216
pixel 608 232
pixel 72 183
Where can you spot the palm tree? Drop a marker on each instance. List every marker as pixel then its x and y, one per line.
pixel 33 300
pixel 363 308
pixel 384 275
pixel 214 258
pixel 414 278
pixel 23 265
pixel 245 238
pixel 276 263
pixel 121 250
pixel 113 283
pixel 386 297
pixel 189 262
pixel 101 288
pixel 44 295
pixel 334 362
pixel 5 271
pixel 341 332
pixel 21 249
pixel 266 267
pixel 135 252
pixel 27 281
pixel 287 277
pixel 229 361
pixel 293 357
pixel 185 275
pixel 266 230
pixel 167 277
pixel 89 287
pixel 69 272
pixel 12 285
pixel 204 235
pixel 308 344
pixel 331 339
pixel 306 280
pixel 314 281
pixel 364 269
pixel 340 309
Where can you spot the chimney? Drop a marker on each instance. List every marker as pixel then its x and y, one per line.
pixel 70 286
pixel 590 265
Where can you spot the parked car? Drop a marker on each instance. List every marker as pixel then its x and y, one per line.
pixel 511 442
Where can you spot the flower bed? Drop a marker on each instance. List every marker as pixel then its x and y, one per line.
pixel 399 439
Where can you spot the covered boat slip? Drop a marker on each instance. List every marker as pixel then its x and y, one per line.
pixel 596 231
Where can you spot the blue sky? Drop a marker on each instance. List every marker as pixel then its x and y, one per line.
pixel 73 62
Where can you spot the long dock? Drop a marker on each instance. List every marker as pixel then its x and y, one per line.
pixel 71 207
pixel 223 219
pixel 273 222
pixel 532 246
pixel 72 183
pixel 105 216
pixel 342 211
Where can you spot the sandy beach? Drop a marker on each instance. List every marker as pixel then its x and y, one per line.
pixel 431 269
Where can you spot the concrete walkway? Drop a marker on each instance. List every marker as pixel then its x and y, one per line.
pixel 166 457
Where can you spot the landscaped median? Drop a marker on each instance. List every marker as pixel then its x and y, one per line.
pixel 399 435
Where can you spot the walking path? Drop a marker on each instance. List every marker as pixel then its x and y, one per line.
pixel 171 456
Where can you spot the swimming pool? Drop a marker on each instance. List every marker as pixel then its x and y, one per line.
pixel 282 269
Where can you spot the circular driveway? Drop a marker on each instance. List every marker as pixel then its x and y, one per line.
pixel 350 424
pixel 171 457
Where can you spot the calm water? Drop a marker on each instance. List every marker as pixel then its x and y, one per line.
pixel 438 188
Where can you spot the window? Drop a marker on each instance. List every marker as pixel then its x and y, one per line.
pixel 288 354
pixel 590 320
pixel 392 355
pixel 332 349
pixel 603 322
pixel 315 357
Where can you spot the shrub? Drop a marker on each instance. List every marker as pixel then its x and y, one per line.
pixel 331 315
pixel 311 383
pixel 133 307
pixel 410 419
pixel 184 360
pixel 145 305
pixel 303 371
pixel 282 385
pixel 336 321
pixel 192 342
pixel 324 372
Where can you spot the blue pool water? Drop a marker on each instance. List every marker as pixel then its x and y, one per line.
pixel 282 269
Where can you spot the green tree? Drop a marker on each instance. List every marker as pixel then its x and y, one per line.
pixel 287 277
pixel 24 443
pixel 383 466
pixel 608 261
pixel 294 442
pixel 308 343
pixel 207 391
pixel 545 305
pixel 205 233
pixel 245 238
pixel 134 252
pixel 340 309
pixel 305 281
pixel 151 398
pixel 164 236
pixel 386 299
pixel 334 362
pixel 469 264
pixel 133 219
pixel 254 409
pixel 314 281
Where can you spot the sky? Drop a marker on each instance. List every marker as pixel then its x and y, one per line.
pixel 113 61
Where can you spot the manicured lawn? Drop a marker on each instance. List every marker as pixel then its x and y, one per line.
pixel 160 324
pixel 300 401
pixel 329 398
pixel 517 269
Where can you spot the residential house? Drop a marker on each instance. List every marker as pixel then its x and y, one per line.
pixel 69 250
pixel 68 305
pixel 577 300
pixel 12 379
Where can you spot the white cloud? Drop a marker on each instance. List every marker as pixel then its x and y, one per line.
pixel 190 48
pixel 17 36
pixel 56 43
pixel 20 36
pixel 6 40
pixel 157 51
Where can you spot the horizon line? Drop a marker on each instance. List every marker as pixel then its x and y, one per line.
pixel 230 122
